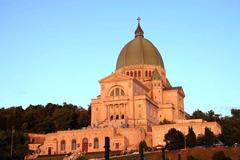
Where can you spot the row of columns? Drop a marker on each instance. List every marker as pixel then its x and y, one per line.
pixel 116 109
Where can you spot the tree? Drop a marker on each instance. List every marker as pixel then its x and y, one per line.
pixel 208 138
pixel 174 139
pixel 198 115
pixel 209 116
pixel 230 128
pixel 220 156
pixel 19 145
pixel 191 140
pixel 191 158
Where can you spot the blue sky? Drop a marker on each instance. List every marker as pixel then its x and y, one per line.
pixel 56 51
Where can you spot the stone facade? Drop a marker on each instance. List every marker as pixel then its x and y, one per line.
pixel 132 102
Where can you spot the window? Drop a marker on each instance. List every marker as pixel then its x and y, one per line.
pixel 135 73
pixel 117 91
pixel 146 73
pixel 122 93
pixel 128 73
pixel 111 118
pixel 74 144
pixel 112 93
pixel 117 117
pixel 139 73
pixel 150 73
pixel 131 73
pixel 122 116
pixel 63 145
pixel 116 145
pixel 96 143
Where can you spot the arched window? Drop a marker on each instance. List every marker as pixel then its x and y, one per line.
pixel 150 74
pixel 146 73
pixel 74 144
pixel 122 93
pixel 96 143
pixel 117 116
pixel 139 73
pixel 131 73
pixel 128 73
pixel 111 118
pixel 135 73
pixel 117 91
pixel 63 145
pixel 122 116
pixel 112 93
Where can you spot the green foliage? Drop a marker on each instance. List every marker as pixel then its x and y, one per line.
pixel 209 116
pixel 38 119
pixel 229 124
pixel 19 145
pixel 231 129
pixel 174 139
pixel 191 158
pixel 207 139
pixel 44 119
pixel 220 156
pixel 191 140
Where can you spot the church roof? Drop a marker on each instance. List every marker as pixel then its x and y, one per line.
pixel 139 51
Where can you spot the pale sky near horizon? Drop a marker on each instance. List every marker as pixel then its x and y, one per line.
pixel 56 51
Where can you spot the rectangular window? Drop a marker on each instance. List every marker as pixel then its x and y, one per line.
pixel 116 145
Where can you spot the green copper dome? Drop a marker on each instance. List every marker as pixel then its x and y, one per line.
pixel 139 51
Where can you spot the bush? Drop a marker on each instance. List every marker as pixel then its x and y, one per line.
pixel 191 158
pixel 220 156
pixel 174 139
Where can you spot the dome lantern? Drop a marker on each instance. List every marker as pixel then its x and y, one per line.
pixel 139 32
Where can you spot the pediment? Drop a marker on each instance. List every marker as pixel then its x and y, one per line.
pixel 115 77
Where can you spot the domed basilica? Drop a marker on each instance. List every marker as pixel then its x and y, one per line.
pixel 133 102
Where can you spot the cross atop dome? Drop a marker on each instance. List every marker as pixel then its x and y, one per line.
pixel 139 32
pixel 139 19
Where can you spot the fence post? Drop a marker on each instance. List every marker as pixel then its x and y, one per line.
pixel 163 154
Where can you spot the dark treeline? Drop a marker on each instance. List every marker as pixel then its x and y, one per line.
pixel 230 124
pixel 44 119
pixel 18 122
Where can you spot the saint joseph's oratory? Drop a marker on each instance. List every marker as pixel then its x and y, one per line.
pixel 132 102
